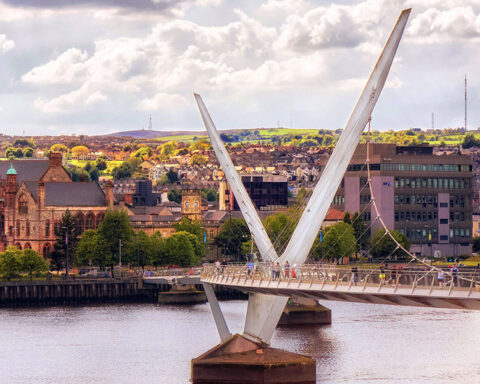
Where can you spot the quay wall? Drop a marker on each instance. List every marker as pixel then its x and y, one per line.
pixel 78 292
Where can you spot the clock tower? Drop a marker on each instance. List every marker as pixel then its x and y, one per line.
pixel 192 204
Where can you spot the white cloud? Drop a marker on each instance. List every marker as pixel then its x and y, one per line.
pixel 67 68
pixel 440 26
pixel 79 99
pixel 163 101
pixel 6 44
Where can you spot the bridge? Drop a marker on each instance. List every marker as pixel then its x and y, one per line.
pixel 238 358
pixel 324 282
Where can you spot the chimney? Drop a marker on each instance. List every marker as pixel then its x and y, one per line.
pixel 55 159
pixel 41 194
pixel 109 194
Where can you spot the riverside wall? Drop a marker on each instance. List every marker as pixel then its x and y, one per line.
pixel 91 291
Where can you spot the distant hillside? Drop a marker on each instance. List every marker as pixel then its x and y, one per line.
pixel 147 134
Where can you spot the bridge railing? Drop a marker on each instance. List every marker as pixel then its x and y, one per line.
pixel 341 276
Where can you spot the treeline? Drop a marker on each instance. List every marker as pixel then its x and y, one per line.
pixel 347 238
pixel 115 238
pixel 14 263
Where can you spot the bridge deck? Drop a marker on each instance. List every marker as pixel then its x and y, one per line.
pixel 410 288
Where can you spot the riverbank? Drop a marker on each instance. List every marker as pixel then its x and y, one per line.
pixel 35 293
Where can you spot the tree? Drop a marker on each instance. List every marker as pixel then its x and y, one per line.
pixel 14 152
pixel 77 174
pixel 172 176
pixel 101 164
pixel 338 242
pixel 199 145
pixel 21 143
pixel 58 148
pixel 174 195
pixel 168 149
pixel 143 153
pixel 127 169
pixel 361 236
pixel 67 233
pixel 209 194
pixel 198 159
pixel 232 234
pixel 92 249
pixel 116 228
pixel 280 227
pixel 28 152
pixel 382 245
pixel 31 262
pixel 10 262
pixel 80 150
pixel 187 225
pixel 180 249
pixel 470 141
pixel 476 244
pixel 160 254
pixel 141 250
pixel 346 218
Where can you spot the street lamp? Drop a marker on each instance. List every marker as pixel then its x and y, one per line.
pixel 120 256
pixel 66 243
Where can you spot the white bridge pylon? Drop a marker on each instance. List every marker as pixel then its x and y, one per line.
pixel 264 311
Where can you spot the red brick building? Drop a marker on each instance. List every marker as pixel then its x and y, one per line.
pixel 34 195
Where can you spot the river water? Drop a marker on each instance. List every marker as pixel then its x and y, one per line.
pixel 146 343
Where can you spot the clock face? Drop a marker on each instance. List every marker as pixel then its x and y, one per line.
pixel 187 204
pixel 195 204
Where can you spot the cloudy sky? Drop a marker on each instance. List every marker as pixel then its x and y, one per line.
pixel 99 66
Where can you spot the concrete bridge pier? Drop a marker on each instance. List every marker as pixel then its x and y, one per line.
pixel 304 311
pixel 239 360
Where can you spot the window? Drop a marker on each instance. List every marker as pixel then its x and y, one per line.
pixel 443 221
pixel 46 251
pixel 80 223
pixel 443 205
pixel 47 228
pixel 211 234
pixel 18 228
pixel 27 228
pixel 23 205
pixel 90 221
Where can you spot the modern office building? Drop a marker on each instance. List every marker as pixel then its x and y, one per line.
pixel 266 191
pixel 426 197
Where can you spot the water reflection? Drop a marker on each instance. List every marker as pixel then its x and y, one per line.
pixel 151 343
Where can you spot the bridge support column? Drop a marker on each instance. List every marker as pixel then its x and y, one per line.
pixel 239 360
pixel 303 311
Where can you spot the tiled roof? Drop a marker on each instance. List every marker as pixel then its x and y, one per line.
pixel 72 194
pixel 27 170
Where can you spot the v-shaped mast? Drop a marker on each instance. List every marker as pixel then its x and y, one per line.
pixel 264 311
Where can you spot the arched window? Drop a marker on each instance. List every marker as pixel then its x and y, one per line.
pixel 27 228
pixel 80 223
pixel 18 228
pixel 47 228
pixel 22 205
pixel 56 227
pixel 27 246
pixel 2 224
pixel 90 221
pixel 46 250
pixel 99 219
pixel 19 246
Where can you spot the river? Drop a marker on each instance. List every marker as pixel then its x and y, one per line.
pixel 147 343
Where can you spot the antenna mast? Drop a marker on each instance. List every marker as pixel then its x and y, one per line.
pixel 150 123
pixel 433 120
pixel 465 102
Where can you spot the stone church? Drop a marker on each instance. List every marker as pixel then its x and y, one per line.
pixel 34 195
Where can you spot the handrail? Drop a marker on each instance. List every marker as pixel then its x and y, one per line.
pixel 339 278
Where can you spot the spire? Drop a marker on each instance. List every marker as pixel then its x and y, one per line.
pixel 12 170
